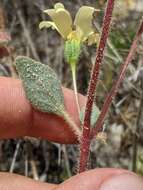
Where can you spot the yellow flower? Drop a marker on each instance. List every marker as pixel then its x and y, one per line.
pixel 81 29
pixel 74 33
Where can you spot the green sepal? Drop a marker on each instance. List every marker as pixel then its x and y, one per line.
pixel 72 50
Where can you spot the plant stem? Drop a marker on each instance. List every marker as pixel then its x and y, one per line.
pixel 72 125
pixel 116 84
pixel 73 69
pixel 85 141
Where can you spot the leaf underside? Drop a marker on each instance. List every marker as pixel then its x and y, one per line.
pixel 94 115
pixel 41 85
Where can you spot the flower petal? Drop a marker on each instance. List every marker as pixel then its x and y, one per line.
pixel 93 38
pixel 62 19
pixel 47 24
pixel 58 5
pixel 83 20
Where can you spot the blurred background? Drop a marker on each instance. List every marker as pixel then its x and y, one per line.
pixel 52 162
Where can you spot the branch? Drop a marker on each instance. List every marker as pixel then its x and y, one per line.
pixel 117 83
pixel 85 141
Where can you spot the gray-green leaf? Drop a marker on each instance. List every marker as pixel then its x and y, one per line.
pixel 94 115
pixel 42 87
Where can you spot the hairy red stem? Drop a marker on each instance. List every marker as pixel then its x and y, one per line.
pixel 85 141
pixel 108 100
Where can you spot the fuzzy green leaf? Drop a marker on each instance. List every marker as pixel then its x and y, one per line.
pixel 94 115
pixel 42 87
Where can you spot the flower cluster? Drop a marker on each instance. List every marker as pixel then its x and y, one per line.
pixel 74 33
pixel 81 29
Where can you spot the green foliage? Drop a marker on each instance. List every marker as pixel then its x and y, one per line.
pixel 94 115
pixel 42 87
pixel 119 40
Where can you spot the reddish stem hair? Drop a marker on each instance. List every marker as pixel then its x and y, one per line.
pixel 117 83
pixel 85 141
